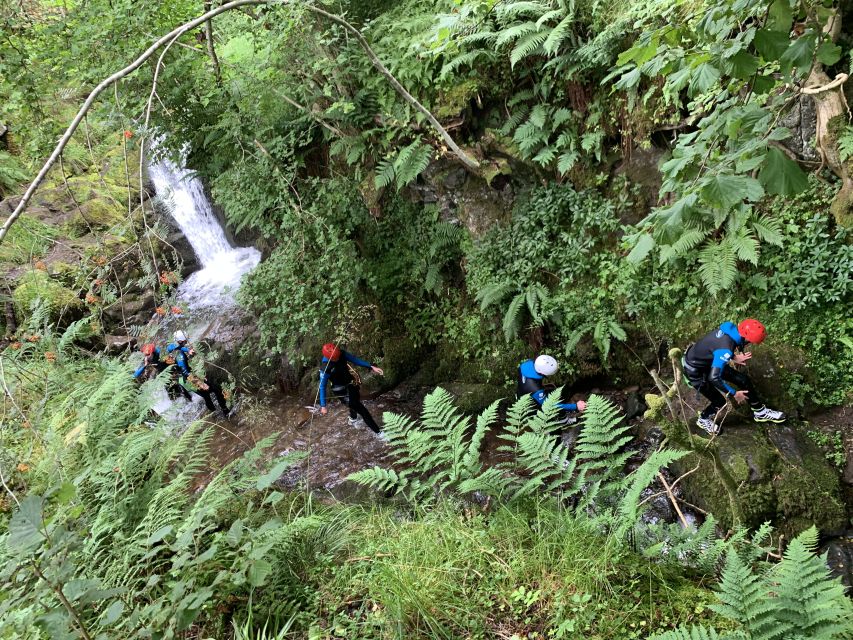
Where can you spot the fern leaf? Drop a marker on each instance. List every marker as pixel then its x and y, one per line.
pixel 384 174
pixel 717 266
pixel 527 46
pixel 512 317
pixel 514 33
pixel 410 164
pixel 494 293
pixel 557 35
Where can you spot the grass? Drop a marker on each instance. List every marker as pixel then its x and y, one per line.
pixel 532 572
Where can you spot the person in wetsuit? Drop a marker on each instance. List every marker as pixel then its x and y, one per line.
pixel 335 368
pixel 182 352
pixel 530 382
pixel 151 359
pixel 708 368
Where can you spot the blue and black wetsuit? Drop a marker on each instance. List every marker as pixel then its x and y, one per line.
pixel 529 382
pixel 343 388
pixel 706 368
pixel 181 354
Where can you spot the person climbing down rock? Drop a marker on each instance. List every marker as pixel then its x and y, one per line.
pixel 151 365
pixel 708 368
pixel 181 352
pixel 530 375
pixel 336 367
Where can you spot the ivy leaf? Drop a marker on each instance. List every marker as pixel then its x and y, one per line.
pixel 771 44
pixel 726 191
pixel 704 78
pixel 780 175
pixel 828 53
pixel 743 65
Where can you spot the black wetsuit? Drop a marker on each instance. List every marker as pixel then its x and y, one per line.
pixel 706 369
pixel 343 388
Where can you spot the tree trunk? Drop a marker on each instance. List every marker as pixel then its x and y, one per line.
pixel 208 36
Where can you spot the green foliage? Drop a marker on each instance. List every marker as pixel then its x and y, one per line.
pixel 795 599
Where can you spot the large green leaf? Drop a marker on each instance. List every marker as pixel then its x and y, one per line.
pixel 828 53
pixel 641 249
pixel 798 55
pixel 771 44
pixel 779 17
pixel 727 190
pixel 780 175
pixel 743 65
pixel 703 78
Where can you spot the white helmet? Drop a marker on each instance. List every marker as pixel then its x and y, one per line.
pixel 180 336
pixel 545 365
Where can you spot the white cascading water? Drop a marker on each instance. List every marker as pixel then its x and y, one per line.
pixel 223 266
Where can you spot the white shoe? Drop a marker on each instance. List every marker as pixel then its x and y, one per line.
pixel 355 422
pixel 381 436
pixel 768 415
pixel 568 421
pixel 707 424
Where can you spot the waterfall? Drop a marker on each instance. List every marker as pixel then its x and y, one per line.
pixel 223 266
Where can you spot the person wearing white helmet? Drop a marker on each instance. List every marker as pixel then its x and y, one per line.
pixel 181 352
pixel 530 375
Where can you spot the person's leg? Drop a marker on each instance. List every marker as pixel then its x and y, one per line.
pixel 207 401
pixel 760 411
pixel 355 406
pixel 711 393
pixel 743 381
pixel 216 390
pixel 342 394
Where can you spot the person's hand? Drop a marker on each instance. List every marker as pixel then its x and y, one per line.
pixel 581 405
pixel 377 370
pixel 323 411
pixel 741 358
pixel 740 396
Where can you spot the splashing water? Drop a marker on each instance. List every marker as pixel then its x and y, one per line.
pixel 223 266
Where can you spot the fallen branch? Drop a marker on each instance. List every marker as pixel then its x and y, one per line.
pixel 673 500
pixel 840 79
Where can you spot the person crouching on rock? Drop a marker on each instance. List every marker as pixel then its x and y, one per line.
pixel 708 368
pixel 336 367
pixel 181 351
pixel 530 375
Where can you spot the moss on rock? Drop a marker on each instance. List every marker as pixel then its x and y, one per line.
pixel 38 285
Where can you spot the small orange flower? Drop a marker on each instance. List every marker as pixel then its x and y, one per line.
pixel 23 468
pixel 128 134
pixel 225 394
pixel 50 355
pixel 100 260
pixel 98 282
pixel 91 298
pixel 116 469
pixel 177 311
pixel 15 345
pixel 168 277
pixel 40 265
pixel 33 338
pixel 160 311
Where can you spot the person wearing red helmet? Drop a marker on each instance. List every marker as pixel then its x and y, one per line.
pixel 707 368
pixel 336 368
pixel 151 358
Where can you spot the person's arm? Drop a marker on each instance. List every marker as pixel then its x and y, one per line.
pixel 323 377
pixel 139 371
pixel 362 363
pixel 355 360
pixel 568 406
pixel 718 365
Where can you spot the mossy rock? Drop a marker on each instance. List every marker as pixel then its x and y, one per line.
pixel 35 285
pixel 96 214
pixel 454 101
pixel 750 476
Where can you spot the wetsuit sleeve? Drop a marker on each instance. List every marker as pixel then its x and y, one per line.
pixel 323 377
pixel 721 359
pixel 540 396
pixel 139 371
pixel 351 358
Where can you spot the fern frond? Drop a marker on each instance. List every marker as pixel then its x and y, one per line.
pixel 493 293
pixel 512 317
pixel 529 45
pixel 384 173
pixel 557 35
pixel 717 266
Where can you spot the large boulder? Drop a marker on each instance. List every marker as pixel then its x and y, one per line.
pixel 749 475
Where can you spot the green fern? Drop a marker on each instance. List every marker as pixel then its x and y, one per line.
pixel 717 266
pixel 410 162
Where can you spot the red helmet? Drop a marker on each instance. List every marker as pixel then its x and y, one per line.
pixel 752 330
pixel 148 349
pixel 331 351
